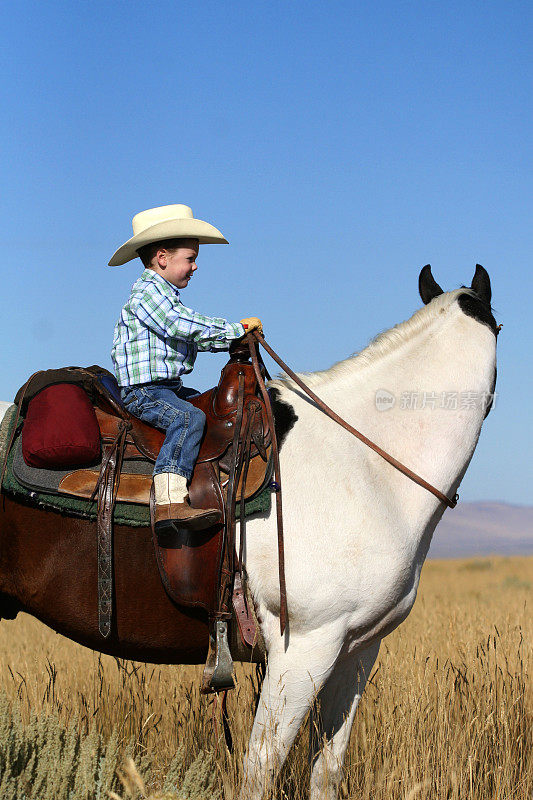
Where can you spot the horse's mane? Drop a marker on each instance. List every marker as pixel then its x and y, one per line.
pixel 383 343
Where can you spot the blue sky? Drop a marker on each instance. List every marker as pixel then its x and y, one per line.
pixel 339 146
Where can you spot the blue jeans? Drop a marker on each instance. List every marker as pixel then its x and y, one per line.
pixel 164 405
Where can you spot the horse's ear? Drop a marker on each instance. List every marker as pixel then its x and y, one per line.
pixel 481 284
pixel 427 285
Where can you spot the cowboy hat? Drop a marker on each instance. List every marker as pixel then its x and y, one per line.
pixel 165 222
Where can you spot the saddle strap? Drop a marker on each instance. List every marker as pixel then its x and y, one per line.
pixel 244 615
pixel 228 573
pixel 283 614
pixel 107 488
pixel 254 410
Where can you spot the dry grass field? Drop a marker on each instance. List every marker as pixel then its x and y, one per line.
pixel 447 714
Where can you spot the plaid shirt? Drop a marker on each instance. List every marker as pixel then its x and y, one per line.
pixel 158 338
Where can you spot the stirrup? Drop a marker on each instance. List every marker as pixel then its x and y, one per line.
pixel 218 670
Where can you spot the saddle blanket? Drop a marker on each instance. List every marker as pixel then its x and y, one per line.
pixel 40 486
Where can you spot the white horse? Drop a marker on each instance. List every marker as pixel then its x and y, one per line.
pixel 357 531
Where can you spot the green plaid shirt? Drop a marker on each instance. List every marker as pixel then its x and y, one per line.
pixel 158 338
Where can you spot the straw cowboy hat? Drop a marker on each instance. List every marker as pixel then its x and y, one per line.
pixel 165 222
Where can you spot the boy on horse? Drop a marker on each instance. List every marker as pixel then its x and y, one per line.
pixel 156 342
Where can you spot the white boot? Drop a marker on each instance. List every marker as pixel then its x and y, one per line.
pixel 172 507
pixel 170 488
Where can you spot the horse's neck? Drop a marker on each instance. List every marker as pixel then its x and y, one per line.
pixel 427 374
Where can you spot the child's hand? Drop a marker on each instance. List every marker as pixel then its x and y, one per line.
pixel 252 324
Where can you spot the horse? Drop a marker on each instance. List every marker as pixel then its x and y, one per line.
pixel 357 532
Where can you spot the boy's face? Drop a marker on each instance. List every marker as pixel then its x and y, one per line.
pixel 177 266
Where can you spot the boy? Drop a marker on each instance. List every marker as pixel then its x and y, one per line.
pixel 156 341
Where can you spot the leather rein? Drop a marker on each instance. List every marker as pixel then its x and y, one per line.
pixel 253 337
pixel 451 502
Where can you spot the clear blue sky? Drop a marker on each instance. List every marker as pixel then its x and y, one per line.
pixel 340 146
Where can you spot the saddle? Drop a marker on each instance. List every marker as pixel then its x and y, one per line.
pixel 199 569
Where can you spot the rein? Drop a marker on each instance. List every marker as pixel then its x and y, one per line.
pixel 450 502
pixel 253 338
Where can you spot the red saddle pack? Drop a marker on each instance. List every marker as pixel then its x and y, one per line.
pixel 61 429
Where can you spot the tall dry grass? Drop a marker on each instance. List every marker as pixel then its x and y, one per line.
pixel 448 712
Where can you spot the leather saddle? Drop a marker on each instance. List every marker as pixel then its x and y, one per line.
pixel 199 569
pixel 143 441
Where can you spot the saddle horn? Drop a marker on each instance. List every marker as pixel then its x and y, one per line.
pixel 427 285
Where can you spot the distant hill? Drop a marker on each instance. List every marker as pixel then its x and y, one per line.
pixel 483 529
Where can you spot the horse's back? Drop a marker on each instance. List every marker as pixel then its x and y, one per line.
pixel 4 405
